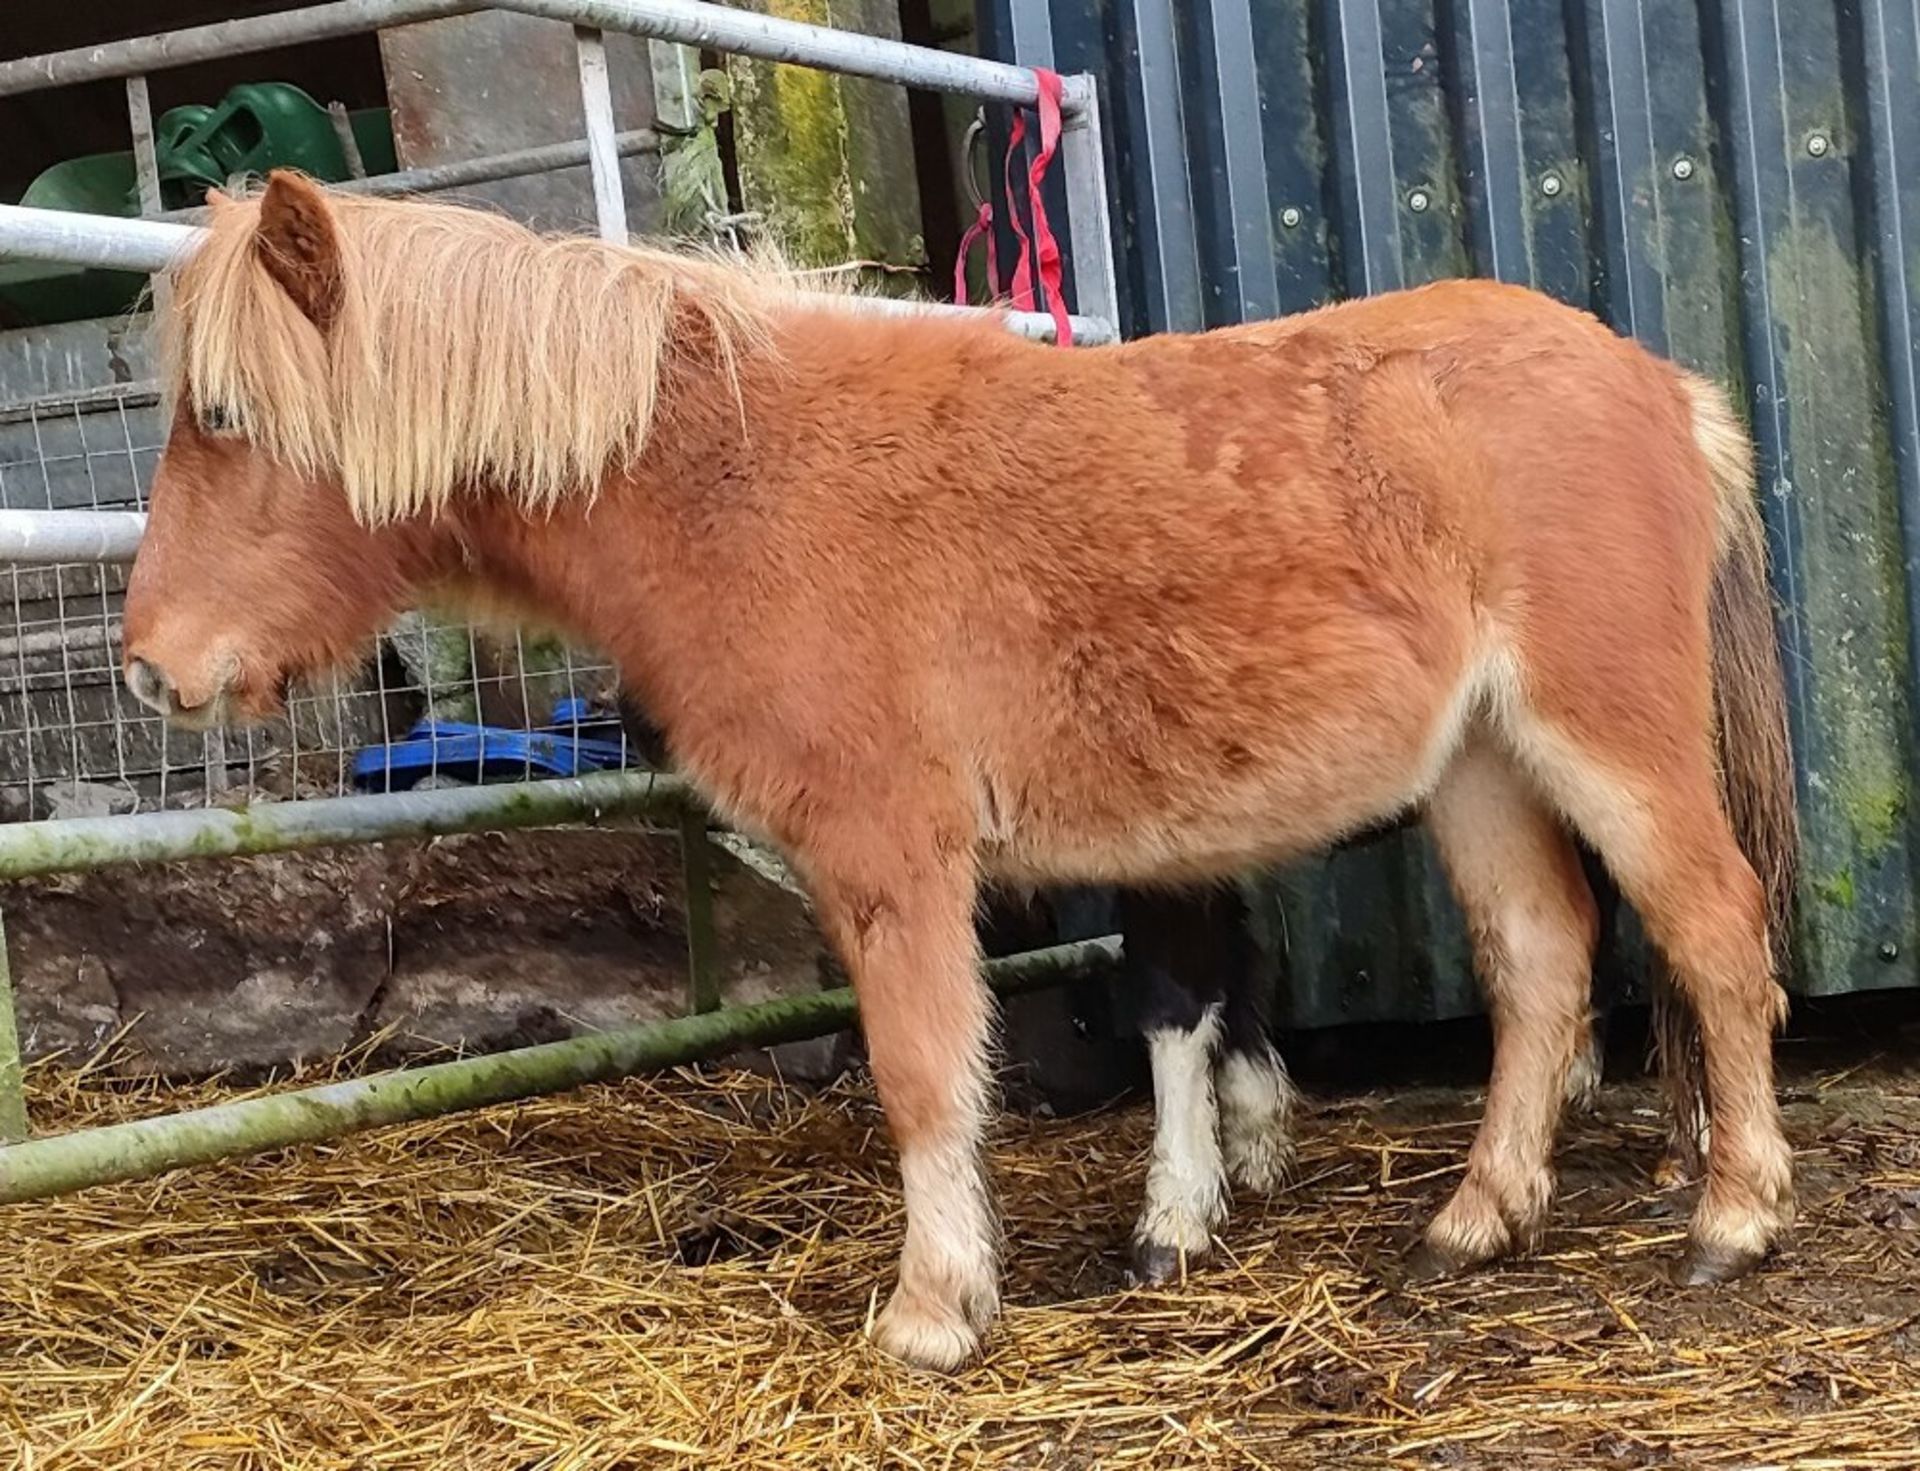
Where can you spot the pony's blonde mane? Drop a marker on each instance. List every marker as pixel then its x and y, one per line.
pixel 466 351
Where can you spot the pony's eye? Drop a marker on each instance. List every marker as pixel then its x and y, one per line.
pixel 216 420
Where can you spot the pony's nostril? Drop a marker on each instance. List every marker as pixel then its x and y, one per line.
pixel 150 687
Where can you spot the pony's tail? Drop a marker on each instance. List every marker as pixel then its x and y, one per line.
pixel 1755 755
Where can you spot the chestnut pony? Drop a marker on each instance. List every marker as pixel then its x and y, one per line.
pixel 925 604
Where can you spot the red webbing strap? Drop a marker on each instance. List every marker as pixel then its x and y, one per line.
pixel 1038 263
pixel 1041 256
pixel 981 228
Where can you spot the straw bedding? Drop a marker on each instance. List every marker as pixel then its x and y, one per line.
pixel 675 1274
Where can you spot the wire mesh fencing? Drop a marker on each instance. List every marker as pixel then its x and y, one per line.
pixel 433 703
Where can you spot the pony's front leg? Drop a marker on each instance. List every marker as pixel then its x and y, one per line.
pixel 1178 992
pixel 903 922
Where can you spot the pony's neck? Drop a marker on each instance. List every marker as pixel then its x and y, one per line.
pixel 634 570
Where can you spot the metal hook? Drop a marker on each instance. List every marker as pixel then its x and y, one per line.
pixel 975 131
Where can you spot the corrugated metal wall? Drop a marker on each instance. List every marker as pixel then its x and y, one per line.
pixel 1736 182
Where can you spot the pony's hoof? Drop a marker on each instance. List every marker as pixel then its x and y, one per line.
pixel 1676 1171
pixel 1429 1263
pixel 1709 1266
pixel 1260 1164
pixel 1154 1263
pixel 925 1334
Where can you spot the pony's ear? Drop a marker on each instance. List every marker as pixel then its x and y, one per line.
pixel 299 246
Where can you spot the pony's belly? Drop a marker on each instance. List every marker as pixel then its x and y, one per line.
pixel 1195 841
pixel 1303 799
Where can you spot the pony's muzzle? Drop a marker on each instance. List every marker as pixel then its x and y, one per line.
pixel 156 689
pixel 151 687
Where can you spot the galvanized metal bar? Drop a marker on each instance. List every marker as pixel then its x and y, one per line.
pixel 221 39
pixel 1096 278
pixel 146 162
pixel 687 22
pixel 1488 101
pixel 46 538
pixel 13 1096
pixel 28 849
pixel 91 240
pixel 603 160
pixel 703 942
pixel 1156 130
pixel 342 121
pixel 710 27
pixel 147 1147
pixel 1088 331
pixel 80 400
pixel 1242 280
pixel 1030 27
pixel 512 165
pixel 1369 206
pixel 152 245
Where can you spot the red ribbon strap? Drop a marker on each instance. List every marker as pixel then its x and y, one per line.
pixel 1038 264
pixel 1041 255
pixel 981 228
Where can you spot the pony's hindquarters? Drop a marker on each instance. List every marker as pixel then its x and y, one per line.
pixel 1655 644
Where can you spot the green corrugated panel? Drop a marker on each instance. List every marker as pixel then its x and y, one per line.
pixel 1718 179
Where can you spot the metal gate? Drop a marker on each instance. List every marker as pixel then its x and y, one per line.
pixel 80 551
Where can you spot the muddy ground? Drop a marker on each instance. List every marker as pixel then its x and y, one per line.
pixel 472 942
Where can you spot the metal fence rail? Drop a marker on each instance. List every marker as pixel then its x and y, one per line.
pixel 74 472
pixel 134 244
pixel 71 502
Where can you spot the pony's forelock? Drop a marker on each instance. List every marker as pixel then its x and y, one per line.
pixel 467 351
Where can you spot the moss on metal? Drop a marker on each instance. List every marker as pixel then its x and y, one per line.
pixel 31 848
pixel 827 161
pixel 693 183
pixel 1837 889
pixel 1851 619
pixel 13 1099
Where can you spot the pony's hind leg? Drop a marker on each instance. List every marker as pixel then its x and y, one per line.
pixel 1660 828
pixel 1255 1091
pixel 1531 913
pixel 902 919
pixel 1584 1077
pixel 1177 997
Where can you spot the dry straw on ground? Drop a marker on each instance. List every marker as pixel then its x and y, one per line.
pixel 676 1274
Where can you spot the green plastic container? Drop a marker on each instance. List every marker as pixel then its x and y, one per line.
pixel 256 127
pixel 260 126
pixel 42 292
